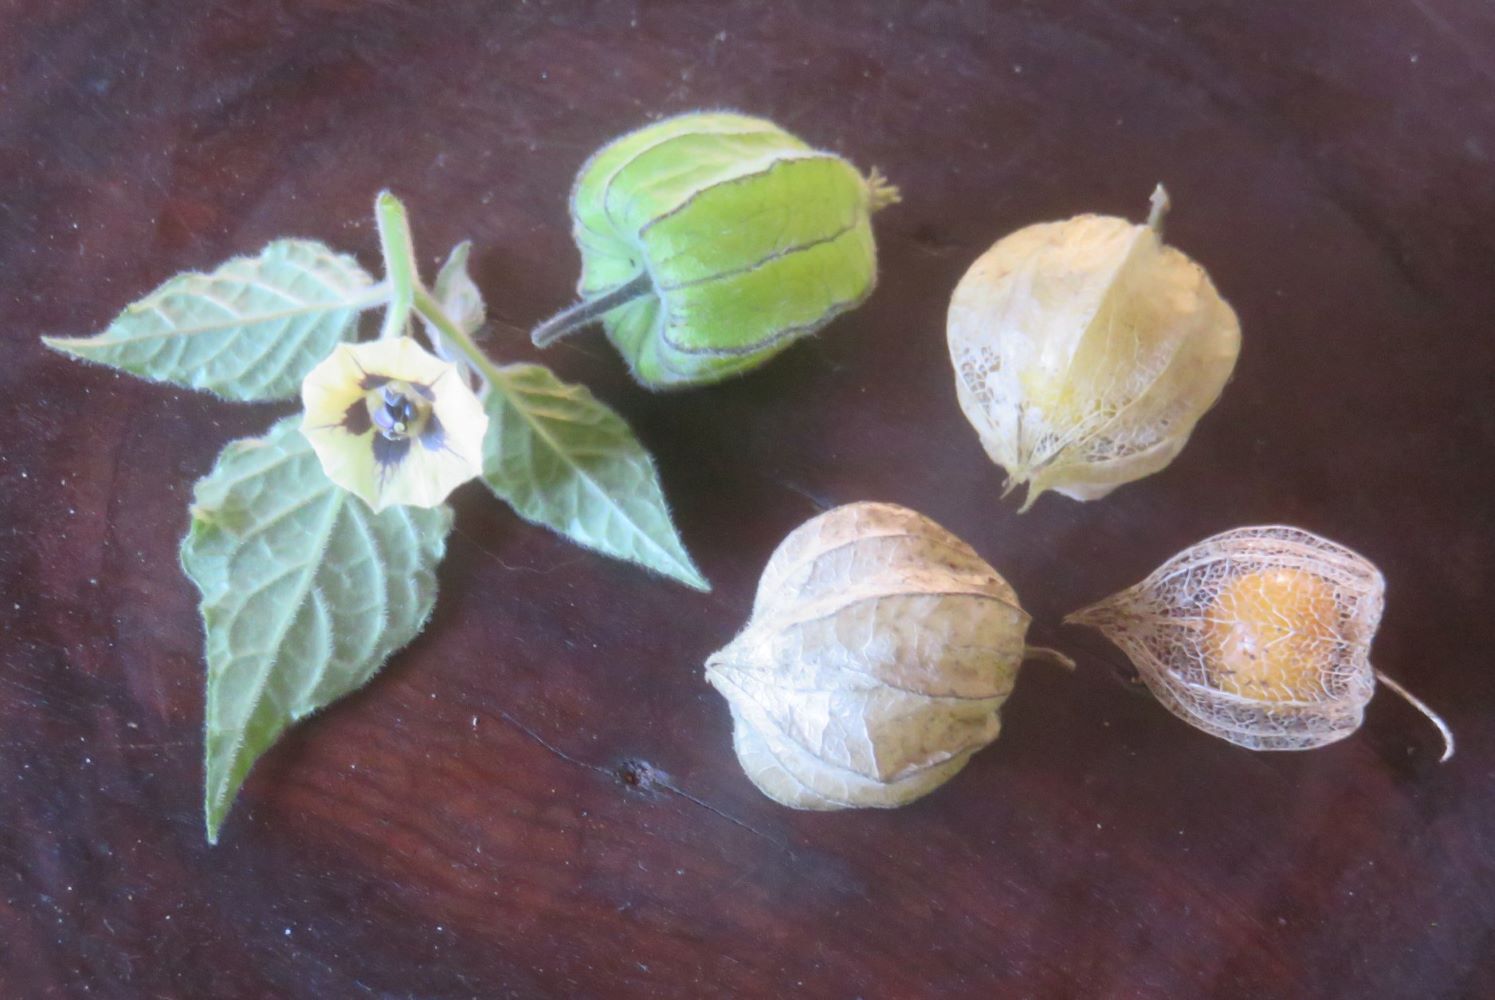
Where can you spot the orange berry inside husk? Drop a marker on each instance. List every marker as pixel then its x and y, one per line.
pixel 1272 635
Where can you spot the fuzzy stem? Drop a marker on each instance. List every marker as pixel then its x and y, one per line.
pixel 370 298
pixel 587 310
pixel 1421 706
pixel 399 263
pixel 457 338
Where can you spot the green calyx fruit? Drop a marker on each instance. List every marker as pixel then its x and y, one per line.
pixel 712 241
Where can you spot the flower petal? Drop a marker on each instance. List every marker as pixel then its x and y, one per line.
pixel 332 387
pixel 403 358
pixel 418 471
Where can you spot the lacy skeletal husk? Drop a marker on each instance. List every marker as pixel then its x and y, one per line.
pixel 878 654
pixel 1260 636
pixel 1085 351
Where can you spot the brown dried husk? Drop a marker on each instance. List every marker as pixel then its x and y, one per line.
pixel 1171 625
pixel 878 654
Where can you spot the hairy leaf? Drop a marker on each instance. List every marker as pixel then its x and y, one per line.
pixel 305 594
pixel 249 330
pixel 457 292
pixel 567 461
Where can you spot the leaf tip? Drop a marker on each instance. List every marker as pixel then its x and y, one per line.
pixel 214 809
pixel 67 345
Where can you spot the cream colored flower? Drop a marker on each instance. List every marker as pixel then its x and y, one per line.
pixel 392 423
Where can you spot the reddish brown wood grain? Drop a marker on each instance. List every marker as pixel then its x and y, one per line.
pixel 539 796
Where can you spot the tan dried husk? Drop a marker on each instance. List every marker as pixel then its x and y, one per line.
pixel 878 654
pixel 1086 350
pixel 1313 675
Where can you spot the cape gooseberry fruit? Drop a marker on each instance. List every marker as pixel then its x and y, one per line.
pixel 1086 350
pixel 879 651
pixel 1260 636
pixel 712 241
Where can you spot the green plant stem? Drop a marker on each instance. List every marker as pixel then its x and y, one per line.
pixel 399 263
pixel 427 306
pixel 372 298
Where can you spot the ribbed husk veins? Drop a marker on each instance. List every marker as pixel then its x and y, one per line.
pixel 1085 351
pixel 879 651
pixel 1260 636
pixel 751 239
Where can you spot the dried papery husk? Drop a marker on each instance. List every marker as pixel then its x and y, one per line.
pixel 1086 350
pixel 878 654
pixel 1260 636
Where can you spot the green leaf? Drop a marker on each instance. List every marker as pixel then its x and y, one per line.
pixel 305 594
pixel 567 461
pixel 250 330
pixel 457 293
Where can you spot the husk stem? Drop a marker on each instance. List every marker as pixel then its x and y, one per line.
pixel 1047 655
pixel 586 311
pixel 1421 706
pixel 1160 203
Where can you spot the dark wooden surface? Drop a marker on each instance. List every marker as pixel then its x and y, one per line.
pixel 466 826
